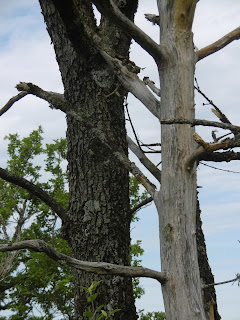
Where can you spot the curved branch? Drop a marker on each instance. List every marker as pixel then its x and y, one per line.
pixel 55 99
pixel 218 45
pixel 96 267
pixel 109 9
pixel 34 190
pixel 143 159
pixel 12 101
pixel 141 204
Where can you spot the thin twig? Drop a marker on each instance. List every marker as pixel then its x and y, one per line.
pixel 207 165
pixel 223 282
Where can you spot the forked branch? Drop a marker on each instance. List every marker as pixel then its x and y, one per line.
pixel 34 190
pixel 203 148
pixel 218 45
pixel 96 267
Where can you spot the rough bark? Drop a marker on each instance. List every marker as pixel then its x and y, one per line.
pixel 177 200
pixel 209 294
pixel 98 216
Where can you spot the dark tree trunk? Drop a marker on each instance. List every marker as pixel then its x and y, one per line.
pixel 209 294
pixel 99 218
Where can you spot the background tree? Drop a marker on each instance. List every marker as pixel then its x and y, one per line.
pixel 177 73
pixel 27 286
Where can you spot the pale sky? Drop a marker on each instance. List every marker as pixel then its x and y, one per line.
pixel 26 54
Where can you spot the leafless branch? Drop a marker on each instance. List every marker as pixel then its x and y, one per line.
pixel 143 159
pixel 152 86
pixel 96 267
pixel 110 10
pixel 133 84
pixel 12 101
pixel 141 204
pixel 34 190
pixel 226 156
pixel 222 117
pixel 131 166
pixel 218 45
pixel 223 282
pixel 199 122
pixel 205 147
pixel 56 100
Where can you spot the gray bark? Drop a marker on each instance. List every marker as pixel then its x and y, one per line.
pixel 177 201
pixel 98 217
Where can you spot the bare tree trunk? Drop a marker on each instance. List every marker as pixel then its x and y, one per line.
pixel 177 201
pixel 99 214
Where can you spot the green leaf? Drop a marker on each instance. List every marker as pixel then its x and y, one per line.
pixel 87 314
pixel 100 317
pixel 94 285
pixel 104 313
pixel 114 311
pixel 84 288
pixel 92 297
pixel 99 308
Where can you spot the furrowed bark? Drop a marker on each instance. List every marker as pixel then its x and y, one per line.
pixel 98 218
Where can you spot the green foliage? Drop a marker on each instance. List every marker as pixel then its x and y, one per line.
pixel 33 280
pixel 151 315
pixel 99 312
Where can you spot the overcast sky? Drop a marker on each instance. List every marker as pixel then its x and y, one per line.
pixel 26 54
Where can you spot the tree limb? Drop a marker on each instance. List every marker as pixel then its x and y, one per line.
pixel 223 282
pixel 96 267
pixel 141 204
pixel 143 159
pixel 110 10
pixel 35 191
pixel 12 101
pixel 199 122
pixel 152 18
pixel 218 45
pixel 56 100
pixel 205 147
pixel 152 86
pixel 226 156
pixel 133 84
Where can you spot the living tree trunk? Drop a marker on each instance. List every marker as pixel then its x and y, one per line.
pixel 177 201
pixel 98 216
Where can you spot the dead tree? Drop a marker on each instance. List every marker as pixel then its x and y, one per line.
pixel 181 147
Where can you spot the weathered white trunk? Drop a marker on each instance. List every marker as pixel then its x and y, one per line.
pixel 177 199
